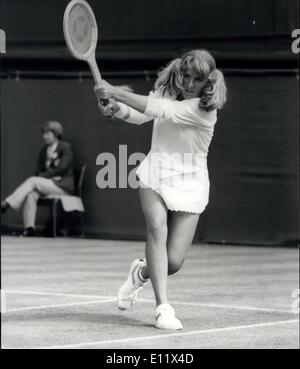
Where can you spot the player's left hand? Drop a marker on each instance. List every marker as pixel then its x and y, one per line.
pixel 103 90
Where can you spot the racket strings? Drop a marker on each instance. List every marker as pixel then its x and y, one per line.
pixel 80 25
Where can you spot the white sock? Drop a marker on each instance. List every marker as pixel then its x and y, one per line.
pixel 142 279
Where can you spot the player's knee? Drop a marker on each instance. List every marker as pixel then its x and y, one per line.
pixel 157 227
pixel 174 264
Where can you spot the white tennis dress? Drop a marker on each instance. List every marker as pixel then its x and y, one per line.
pixel 176 166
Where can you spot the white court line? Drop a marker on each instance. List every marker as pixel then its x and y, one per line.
pixel 58 294
pixel 58 305
pixel 167 335
pixel 3 302
pixel 101 297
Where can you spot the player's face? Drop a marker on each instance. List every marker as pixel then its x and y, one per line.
pixel 192 84
pixel 49 138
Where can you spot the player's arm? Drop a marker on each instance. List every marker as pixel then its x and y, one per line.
pixel 121 110
pixel 106 91
pixel 131 115
pixel 181 112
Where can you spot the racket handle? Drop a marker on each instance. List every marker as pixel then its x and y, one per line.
pixel 97 77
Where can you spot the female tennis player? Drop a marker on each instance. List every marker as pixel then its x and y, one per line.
pixel 174 178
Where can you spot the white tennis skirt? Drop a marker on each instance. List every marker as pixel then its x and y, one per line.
pixel 188 192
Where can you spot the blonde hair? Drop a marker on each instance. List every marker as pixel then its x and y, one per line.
pixel 170 79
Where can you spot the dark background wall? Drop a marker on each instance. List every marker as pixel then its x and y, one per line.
pixel 253 160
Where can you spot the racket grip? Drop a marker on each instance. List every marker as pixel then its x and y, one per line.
pixel 104 102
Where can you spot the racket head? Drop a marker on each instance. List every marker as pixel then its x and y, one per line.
pixel 80 29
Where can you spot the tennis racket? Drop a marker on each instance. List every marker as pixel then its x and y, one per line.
pixel 81 35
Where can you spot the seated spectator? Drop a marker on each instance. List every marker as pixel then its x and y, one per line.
pixel 54 176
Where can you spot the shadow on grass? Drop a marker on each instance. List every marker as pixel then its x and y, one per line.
pixel 103 319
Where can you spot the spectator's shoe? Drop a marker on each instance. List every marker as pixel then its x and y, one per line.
pixel 4 206
pixel 165 318
pixel 28 232
pixel 133 286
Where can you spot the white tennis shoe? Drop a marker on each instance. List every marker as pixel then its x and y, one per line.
pixel 133 286
pixel 165 318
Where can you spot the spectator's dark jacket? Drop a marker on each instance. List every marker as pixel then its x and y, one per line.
pixel 61 166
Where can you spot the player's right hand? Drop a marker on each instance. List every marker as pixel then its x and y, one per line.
pixel 110 109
